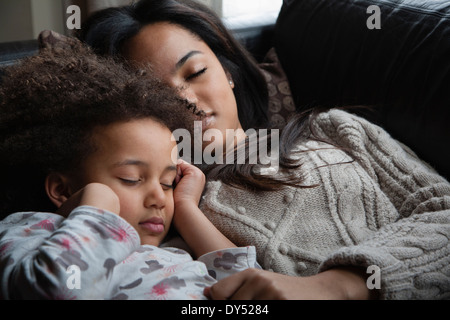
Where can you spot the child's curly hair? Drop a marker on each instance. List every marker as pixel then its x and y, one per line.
pixel 49 105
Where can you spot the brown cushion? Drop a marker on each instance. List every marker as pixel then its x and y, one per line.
pixel 281 103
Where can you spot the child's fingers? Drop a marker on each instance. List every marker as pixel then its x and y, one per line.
pixel 182 163
pixel 179 173
pixel 181 168
pixel 184 168
pixel 189 179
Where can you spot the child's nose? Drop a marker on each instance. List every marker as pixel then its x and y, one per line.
pixel 155 197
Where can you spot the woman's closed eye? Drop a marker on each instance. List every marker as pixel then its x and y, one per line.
pixel 196 74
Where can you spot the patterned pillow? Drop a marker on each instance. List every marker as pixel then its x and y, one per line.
pixel 281 103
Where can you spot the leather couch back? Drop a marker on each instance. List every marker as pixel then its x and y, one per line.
pixel 332 58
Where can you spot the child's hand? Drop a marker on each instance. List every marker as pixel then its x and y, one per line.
pixel 194 227
pixel 190 183
pixel 95 195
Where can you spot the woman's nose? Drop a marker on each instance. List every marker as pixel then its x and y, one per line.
pixel 189 94
pixel 155 197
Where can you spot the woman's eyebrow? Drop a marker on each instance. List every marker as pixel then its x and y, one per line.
pixel 185 58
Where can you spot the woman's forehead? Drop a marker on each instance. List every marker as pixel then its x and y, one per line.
pixel 162 41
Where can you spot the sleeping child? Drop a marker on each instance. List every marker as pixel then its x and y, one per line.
pixel 89 189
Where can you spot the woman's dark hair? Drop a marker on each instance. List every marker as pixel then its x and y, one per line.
pixel 106 31
pixel 49 107
pixel 249 177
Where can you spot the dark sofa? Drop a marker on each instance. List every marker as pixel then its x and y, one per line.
pixel 402 70
pixel 331 58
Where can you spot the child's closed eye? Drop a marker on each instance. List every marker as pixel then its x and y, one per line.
pixel 168 186
pixel 131 182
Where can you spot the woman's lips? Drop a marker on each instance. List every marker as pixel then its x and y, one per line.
pixel 154 225
pixel 208 121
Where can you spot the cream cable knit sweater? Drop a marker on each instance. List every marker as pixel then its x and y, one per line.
pixel 386 208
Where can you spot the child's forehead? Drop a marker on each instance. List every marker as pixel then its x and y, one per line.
pixel 143 126
pixel 146 133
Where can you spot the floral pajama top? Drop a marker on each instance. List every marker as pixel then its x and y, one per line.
pixel 94 254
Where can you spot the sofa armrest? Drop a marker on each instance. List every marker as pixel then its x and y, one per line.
pixel 10 52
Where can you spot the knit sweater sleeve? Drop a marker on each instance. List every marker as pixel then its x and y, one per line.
pixel 412 253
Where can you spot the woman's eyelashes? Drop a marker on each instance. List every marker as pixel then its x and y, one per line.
pixel 196 74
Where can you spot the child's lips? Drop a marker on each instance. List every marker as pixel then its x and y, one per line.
pixel 154 225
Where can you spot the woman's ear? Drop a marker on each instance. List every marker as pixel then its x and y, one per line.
pixel 58 188
pixel 230 79
pixel 231 83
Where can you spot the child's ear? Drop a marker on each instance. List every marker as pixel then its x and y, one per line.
pixel 58 188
